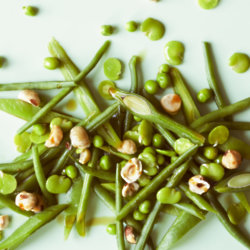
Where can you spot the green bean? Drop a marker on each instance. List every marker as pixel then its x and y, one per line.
pixel 30 226
pixel 114 152
pixel 190 109
pixel 37 85
pixel 7 202
pixel 182 225
pixel 154 184
pixel 221 113
pixel 141 107
pixel 85 195
pixel 213 84
pixel 222 216
pixel 118 206
pixel 166 134
pixel 26 111
pixel 243 200
pixel 231 125
pixel 40 176
pixel 133 89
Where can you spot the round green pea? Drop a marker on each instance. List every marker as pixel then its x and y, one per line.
pixel 208 4
pixel 107 30
pixel 137 119
pixel 163 80
pixel 219 135
pixel 213 171
pixel 149 150
pixel 168 195
pixel 174 52
pixel 158 140
pixel 181 145
pixel 236 213
pixel 151 87
pixel 112 68
pixel 204 95
pixel 56 184
pixel 64 124
pixel 150 171
pixel 144 180
pixel 98 141
pixel 219 159
pixel 51 63
pixel 30 10
pixel 111 229
pixel 210 152
pixel 104 87
pixel 239 62
pixel 164 68
pixel 71 171
pixel 105 162
pixel 39 129
pixel 131 26
pixel 173 158
pixel 145 207
pixel 139 216
pixel 160 159
pixel 37 139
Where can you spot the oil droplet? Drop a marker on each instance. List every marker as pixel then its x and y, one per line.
pixel 71 105
pixel 100 221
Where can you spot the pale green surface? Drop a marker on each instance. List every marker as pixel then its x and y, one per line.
pixel 25 51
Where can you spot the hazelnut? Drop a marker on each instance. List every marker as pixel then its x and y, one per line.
pixel 4 221
pixel 171 103
pixel 79 137
pixel 198 185
pixel 129 189
pixel 85 156
pixel 128 147
pixel 129 235
pixel 231 159
pixel 132 170
pixel 29 96
pixel 55 137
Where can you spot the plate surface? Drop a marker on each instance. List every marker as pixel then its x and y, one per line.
pixel 76 25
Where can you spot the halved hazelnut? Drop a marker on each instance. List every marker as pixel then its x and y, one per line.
pixel 198 185
pixel 79 137
pixel 129 235
pixel 171 103
pixel 55 137
pixel 85 156
pixel 132 170
pixel 129 189
pixel 128 147
pixel 29 96
pixel 231 159
pixel 4 221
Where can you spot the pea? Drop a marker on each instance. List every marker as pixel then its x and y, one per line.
pixel 168 195
pixel 158 140
pixel 219 135
pixel 98 141
pixel 64 124
pixel 137 119
pixel 71 171
pixel 131 26
pixel 160 159
pixel 151 87
pixel 22 142
pixel 30 10
pixel 150 171
pixel 173 158
pixel 51 63
pixel 236 213
pixel 2 61
pixel 112 68
pixel 8 183
pixel 181 145
pixel 39 129
pixel 149 150
pixel 164 68
pixel 139 216
pixel 213 171
pixel 219 159
pixel 204 95
pixel 210 152
pixel 208 4
pixel 107 30
pixel 163 80
pixel 148 158
pixel 144 180
pixel 174 52
pixel 239 62
pixel 37 139
pixel 105 162
pixel 145 207
pixel 104 87
pixel 145 131
pixel 56 184
pixel 132 135
pixel 111 229
pixel 153 29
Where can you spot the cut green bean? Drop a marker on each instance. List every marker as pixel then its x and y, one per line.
pixel 115 153
pixel 166 134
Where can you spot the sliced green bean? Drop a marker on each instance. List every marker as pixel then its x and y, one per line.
pixel 114 152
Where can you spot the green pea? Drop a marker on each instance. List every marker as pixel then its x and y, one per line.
pixel 150 171
pixel 37 139
pixel 30 10
pixel 153 29
pixel 174 52
pixel 210 152
pixel 208 4
pixel 145 131
pixel 164 68
pixel 160 159
pixel 137 119
pixel 181 145
pixel 151 87
pixel 158 140
pixel 112 68
pixel 39 129
pixel 104 87
pixel 107 30
pixel 131 26
pixel 139 216
pixel 145 207
pixel 98 141
pixel 236 213
pixel 111 229
pixel 173 158
pixel 132 135
pixel 219 159
pixel 105 162
pixel 163 80
pixel 239 62
pixel 219 135
pixel 168 195
pixel 71 171
pixel 213 171
pixel 56 184
pixel 64 124
pixel 148 159
pixel 22 142
pixel 51 63
pixel 204 95
pixel 144 180
pixel 2 61
pixel 149 150
pixel 8 183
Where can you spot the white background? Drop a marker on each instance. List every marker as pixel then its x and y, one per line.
pixel 76 25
